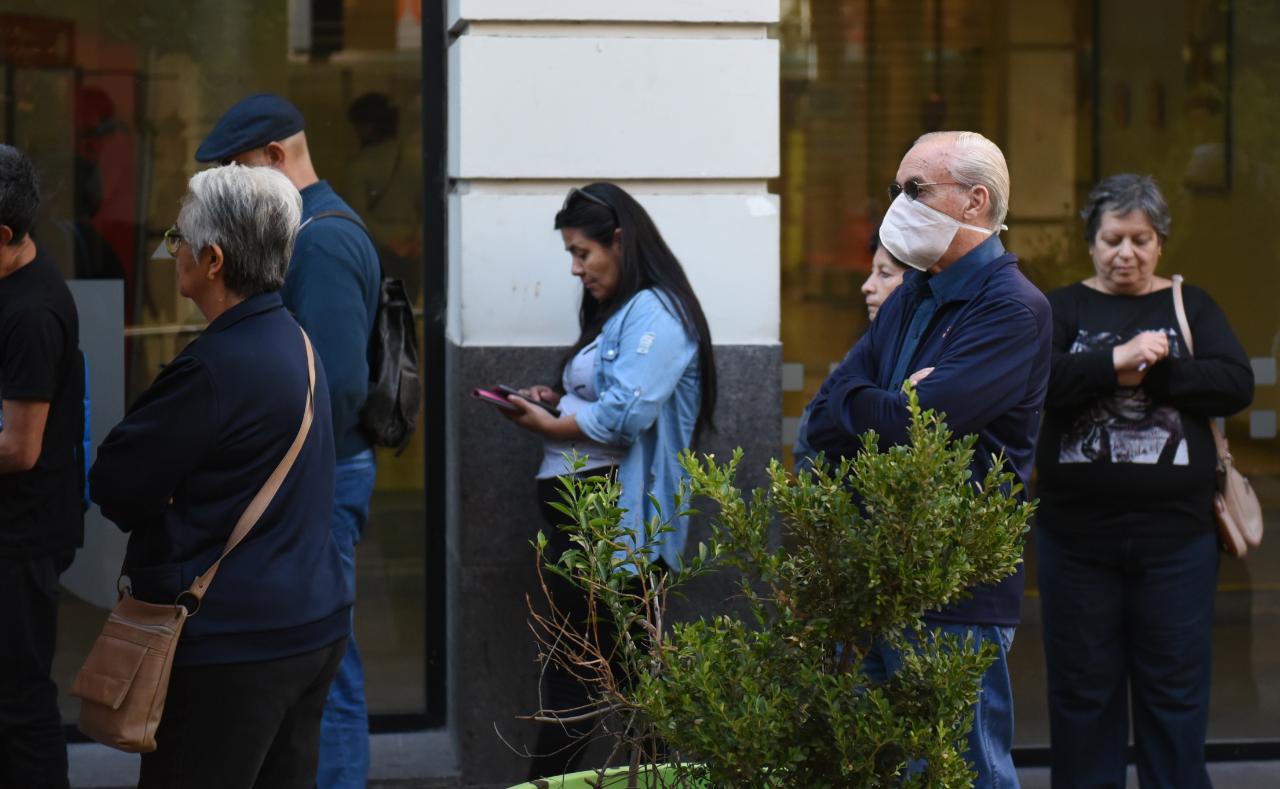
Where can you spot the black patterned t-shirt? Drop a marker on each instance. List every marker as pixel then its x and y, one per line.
pixel 1135 460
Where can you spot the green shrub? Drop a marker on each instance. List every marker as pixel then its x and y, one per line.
pixel 781 699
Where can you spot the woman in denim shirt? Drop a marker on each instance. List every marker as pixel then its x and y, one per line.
pixel 636 389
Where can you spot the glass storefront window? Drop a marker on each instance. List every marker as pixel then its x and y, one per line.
pixel 1071 90
pixel 111 101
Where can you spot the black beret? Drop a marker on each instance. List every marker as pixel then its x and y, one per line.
pixel 252 123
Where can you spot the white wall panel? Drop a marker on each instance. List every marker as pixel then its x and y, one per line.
pixel 613 108
pixel 516 289
pixel 763 11
pixel 453 304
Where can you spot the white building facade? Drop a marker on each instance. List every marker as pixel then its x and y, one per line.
pixel 677 102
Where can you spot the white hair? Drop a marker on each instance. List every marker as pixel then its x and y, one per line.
pixel 977 161
pixel 252 214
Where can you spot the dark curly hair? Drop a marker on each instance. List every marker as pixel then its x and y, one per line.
pixel 19 192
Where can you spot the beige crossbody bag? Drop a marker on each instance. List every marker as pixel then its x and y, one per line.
pixel 1236 505
pixel 123 683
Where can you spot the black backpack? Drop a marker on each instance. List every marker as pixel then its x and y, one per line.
pixel 390 410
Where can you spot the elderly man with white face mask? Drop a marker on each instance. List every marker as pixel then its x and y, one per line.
pixel 973 334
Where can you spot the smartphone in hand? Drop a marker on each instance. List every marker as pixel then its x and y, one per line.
pixel 495 399
pixel 513 392
pixel 497 396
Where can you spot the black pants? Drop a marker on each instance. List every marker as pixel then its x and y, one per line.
pixel 1128 629
pixel 559 748
pixel 243 725
pixel 33 753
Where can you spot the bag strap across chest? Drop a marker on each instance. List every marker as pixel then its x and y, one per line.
pixel 249 518
pixel 1180 310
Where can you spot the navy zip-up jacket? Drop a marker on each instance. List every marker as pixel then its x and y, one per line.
pixel 989 344
pixel 183 465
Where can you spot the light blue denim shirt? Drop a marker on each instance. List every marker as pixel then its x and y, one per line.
pixel 649 396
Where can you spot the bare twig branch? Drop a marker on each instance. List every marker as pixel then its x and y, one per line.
pixel 554 716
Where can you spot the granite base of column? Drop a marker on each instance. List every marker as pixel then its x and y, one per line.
pixel 493 516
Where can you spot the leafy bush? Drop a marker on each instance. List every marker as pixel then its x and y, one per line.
pixel 781 699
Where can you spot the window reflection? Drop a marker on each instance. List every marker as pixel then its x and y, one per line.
pixel 111 100
pixel 1182 90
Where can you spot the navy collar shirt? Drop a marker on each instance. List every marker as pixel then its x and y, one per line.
pixel 930 290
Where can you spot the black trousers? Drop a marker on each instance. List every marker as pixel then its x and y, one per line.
pixel 1128 635
pixel 243 725
pixel 33 753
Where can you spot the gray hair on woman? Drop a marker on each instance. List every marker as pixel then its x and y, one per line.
pixel 1122 194
pixel 977 161
pixel 252 214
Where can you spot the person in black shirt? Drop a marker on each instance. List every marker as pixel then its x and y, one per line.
pixel 1128 557
pixel 41 473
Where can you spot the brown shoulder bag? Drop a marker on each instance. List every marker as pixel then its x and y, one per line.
pixel 1235 505
pixel 123 683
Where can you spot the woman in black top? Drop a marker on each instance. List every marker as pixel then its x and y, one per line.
pixel 1128 555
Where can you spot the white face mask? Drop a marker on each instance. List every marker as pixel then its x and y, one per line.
pixel 917 234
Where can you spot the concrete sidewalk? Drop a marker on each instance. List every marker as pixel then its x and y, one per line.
pixel 424 760
pixel 415 759
pixel 1225 775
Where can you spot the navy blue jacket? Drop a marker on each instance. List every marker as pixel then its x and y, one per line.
pixel 332 289
pixel 185 462
pixel 989 345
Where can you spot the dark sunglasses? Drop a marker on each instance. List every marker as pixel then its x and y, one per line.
pixel 912 188
pixel 583 193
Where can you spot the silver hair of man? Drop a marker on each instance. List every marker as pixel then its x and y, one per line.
pixel 252 214
pixel 977 161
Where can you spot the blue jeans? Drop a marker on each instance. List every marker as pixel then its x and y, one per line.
pixel 1128 622
pixel 344 729
pixel 991 737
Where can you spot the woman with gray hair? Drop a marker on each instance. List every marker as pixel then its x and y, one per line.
pixel 1128 555
pixel 255 660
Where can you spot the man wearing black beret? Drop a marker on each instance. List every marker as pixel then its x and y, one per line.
pixel 332 289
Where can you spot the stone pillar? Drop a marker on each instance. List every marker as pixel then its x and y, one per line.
pixel 677 101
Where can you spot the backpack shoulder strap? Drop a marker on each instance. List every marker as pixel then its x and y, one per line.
pixel 334 213
pixel 350 218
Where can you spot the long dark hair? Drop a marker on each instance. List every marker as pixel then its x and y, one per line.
pixel 597 211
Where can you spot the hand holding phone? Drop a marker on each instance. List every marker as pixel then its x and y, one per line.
pixel 499 397
pixel 540 392
pixel 513 392
pixel 496 399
